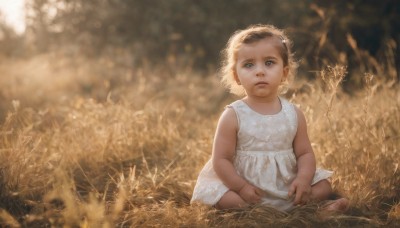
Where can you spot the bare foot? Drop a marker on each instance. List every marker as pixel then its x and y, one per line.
pixel 339 205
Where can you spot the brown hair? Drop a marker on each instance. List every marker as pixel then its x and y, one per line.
pixel 250 35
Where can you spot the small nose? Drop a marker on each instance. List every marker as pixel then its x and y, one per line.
pixel 260 71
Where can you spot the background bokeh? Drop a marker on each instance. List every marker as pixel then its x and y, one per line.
pixel 108 110
pixel 358 33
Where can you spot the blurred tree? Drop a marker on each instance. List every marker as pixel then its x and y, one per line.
pixel 365 31
pixel 324 31
pixel 11 44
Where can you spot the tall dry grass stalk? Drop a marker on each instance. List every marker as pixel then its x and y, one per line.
pixel 94 143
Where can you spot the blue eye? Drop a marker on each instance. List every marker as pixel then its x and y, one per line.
pixel 269 63
pixel 248 65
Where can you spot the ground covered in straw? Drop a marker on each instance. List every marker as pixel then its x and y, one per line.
pixel 96 143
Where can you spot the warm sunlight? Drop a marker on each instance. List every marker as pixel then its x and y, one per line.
pixel 12 11
pixel 122 113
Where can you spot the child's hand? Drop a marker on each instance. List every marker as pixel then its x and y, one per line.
pixel 302 189
pixel 250 193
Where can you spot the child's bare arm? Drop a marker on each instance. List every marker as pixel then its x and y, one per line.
pixel 305 162
pixel 223 157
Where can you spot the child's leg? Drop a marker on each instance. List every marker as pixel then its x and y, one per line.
pixel 230 200
pixel 322 191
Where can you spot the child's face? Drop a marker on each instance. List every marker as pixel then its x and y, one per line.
pixel 259 67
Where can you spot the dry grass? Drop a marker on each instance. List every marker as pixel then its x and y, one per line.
pixel 95 143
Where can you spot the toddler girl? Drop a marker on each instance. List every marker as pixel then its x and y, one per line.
pixel 261 150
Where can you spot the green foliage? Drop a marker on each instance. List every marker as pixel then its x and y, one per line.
pixel 193 32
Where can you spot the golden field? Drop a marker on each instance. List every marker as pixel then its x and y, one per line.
pixel 99 143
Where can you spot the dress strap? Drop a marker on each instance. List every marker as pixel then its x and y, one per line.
pixel 290 111
pixel 236 105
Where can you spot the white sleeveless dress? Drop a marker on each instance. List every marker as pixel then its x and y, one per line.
pixel 264 157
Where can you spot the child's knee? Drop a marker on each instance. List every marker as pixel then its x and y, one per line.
pixel 321 190
pixel 230 200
